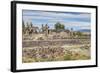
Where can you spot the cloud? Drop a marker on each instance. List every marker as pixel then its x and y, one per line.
pixel 77 24
pixel 55 15
pixel 69 19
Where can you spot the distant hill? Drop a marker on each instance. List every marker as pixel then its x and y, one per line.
pixel 84 30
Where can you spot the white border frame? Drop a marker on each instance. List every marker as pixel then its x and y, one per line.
pixel 35 65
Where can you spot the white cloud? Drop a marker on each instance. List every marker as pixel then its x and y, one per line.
pixel 55 15
pixel 77 24
pixel 43 17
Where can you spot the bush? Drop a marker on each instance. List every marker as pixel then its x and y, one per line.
pixel 67 57
pixel 40 38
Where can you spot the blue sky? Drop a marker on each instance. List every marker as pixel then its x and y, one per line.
pixel 75 20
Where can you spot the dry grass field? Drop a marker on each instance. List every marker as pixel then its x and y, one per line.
pixel 55 36
pixel 64 52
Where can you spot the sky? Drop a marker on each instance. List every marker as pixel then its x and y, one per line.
pixel 75 20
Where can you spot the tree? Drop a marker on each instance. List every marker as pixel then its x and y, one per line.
pixel 23 27
pixel 71 29
pixel 79 34
pixel 62 26
pixel 59 26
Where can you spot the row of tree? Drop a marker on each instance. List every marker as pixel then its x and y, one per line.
pixel 58 25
